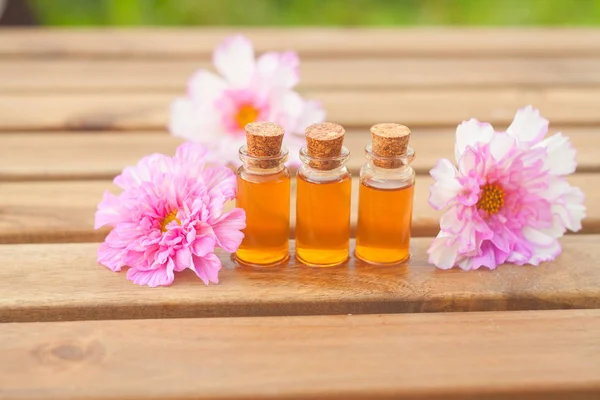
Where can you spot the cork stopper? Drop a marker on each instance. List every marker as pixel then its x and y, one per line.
pixel 389 140
pixel 264 139
pixel 324 141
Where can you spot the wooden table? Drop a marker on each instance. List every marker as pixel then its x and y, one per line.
pixel 78 106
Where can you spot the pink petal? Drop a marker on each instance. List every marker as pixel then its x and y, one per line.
pixel 146 168
pixel 183 259
pixel 446 186
pixel 228 229
pixel 155 277
pixel 221 178
pixel 203 245
pixel 204 88
pixel 279 70
pixel 561 155
pixel 109 211
pixel 528 126
pixel 545 253
pixel 443 252
pixel 207 268
pixel 111 257
pixel 576 209
pixel 537 237
pixel 501 146
pixel 234 59
pixel 190 121
pixel 469 133
pixel 191 156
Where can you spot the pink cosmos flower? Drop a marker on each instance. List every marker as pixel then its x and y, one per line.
pixel 508 201
pixel 170 217
pixel 216 109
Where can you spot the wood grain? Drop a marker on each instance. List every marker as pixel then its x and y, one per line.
pixel 169 75
pixel 51 282
pixel 77 155
pixel 309 42
pixel 57 212
pixel 530 355
pixel 352 108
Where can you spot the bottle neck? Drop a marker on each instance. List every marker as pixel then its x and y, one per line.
pixel 263 165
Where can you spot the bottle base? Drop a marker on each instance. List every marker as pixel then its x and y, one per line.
pixel 245 263
pixel 382 263
pixel 321 265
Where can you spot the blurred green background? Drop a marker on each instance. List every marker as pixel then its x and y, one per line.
pixel 316 12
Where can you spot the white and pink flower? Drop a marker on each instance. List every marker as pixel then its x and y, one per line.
pixel 170 217
pixel 508 200
pixel 217 108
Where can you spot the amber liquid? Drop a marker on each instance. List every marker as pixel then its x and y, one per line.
pixel 384 217
pixel 323 221
pixel 266 200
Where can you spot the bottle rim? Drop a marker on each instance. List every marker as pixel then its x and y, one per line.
pixel 341 158
pixel 280 158
pixel 405 158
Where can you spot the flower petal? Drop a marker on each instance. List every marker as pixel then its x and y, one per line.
pixel 279 70
pixel 111 257
pixel 545 253
pixel 443 251
pixel 207 268
pixel 502 145
pixel 204 88
pixel 146 168
pixel 228 229
pixel 203 245
pixel 162 276
pixel 183 259
pixel 199 124
pixel 234 59
pixel 221 178
pixel 528 126
pixel 471 132
pixel 574 203
pixel 446 186
pixel 561 155
pixel 109 211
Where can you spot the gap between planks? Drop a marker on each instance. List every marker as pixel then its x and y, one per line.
pixel 352 108
pixel 197 43
pixel 77 155
pixel 168 75
pixel 530 355
pixel 57 282
pixel 56 212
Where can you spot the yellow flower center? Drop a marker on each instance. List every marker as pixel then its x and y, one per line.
pixel 492 199
pixel 246 114
pixel 172 216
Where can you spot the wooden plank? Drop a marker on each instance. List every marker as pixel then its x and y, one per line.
pixel 57 212
pixel 527 355
pixel 52 282
pixel 78 155
pixel 353 108
pixel 309 42
pixel 84 75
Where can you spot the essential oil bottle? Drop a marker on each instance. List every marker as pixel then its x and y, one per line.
pixel 323 198
pixel 386 197
pixel 264 193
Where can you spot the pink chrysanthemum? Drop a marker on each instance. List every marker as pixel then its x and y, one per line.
pixel 508 201
pixel 170 217
pixel 216 109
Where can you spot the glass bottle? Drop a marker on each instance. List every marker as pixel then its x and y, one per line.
pixel 263 191
pixel 323 198
pixel 386 197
